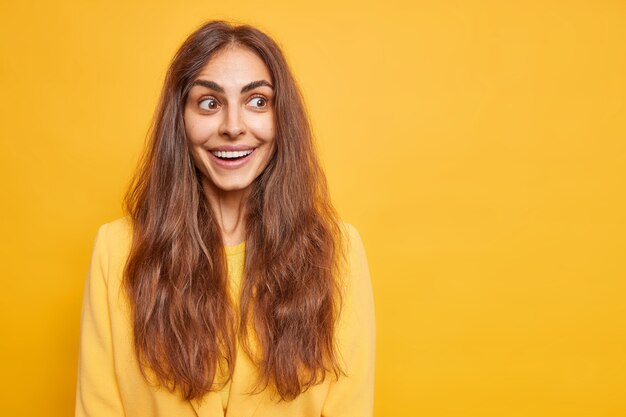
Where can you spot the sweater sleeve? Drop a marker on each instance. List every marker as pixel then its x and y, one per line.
pixel 97 392
pixel 352 395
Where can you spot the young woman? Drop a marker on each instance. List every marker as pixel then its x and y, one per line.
pixel 231 289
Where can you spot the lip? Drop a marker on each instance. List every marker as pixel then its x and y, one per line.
pixel 232 148
pixel 224 163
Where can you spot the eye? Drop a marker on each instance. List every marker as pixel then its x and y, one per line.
pixel 258 102
pixel 209 103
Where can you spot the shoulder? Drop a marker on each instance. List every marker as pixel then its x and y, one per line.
pixel 355 276
pixel 354 248
pixel 118 229
pixel 349 231
pixel 115 233
pixel 112 244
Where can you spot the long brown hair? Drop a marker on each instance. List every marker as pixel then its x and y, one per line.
pixel 185 326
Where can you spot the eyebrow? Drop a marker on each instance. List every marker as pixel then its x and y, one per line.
pixel 216 87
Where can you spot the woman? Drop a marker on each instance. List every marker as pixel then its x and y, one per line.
pixel 231 288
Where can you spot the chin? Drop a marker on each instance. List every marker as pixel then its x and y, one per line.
pixel 226 186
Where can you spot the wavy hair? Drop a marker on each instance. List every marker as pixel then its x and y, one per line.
pixel 184 323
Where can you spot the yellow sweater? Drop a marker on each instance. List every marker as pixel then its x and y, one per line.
pixel 110 383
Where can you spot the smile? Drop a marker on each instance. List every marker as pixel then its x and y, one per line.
pixel 232 159
pixel 232 154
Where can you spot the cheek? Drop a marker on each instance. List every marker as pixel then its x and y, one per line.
pixel 263 129
pixel 190 127
pixel 198 131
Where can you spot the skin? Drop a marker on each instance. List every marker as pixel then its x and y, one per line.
pixel 228 107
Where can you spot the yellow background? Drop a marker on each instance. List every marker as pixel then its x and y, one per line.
pixel 478 146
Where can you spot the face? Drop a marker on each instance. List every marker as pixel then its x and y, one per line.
pixel 229 120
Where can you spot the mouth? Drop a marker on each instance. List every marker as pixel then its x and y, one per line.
pixel 232 159
pixel 232 155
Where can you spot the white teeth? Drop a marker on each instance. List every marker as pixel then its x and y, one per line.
pixel 231 154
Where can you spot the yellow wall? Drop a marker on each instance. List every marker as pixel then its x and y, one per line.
pixel 479 147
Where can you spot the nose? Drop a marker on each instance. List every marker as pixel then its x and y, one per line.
pixel 233 124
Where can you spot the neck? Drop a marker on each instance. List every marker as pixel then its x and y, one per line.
pixel 229 209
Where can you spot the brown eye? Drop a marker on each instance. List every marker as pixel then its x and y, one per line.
pixel 209 104
pixel 258 102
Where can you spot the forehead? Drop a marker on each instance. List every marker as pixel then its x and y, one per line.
pixel 234 65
